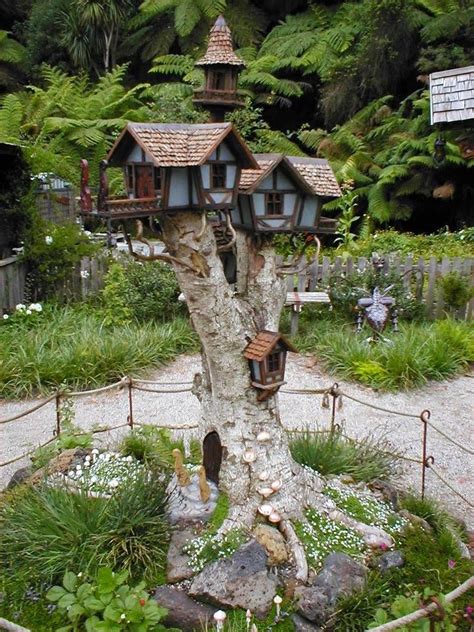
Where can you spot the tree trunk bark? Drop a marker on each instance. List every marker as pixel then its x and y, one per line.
pixel 226 318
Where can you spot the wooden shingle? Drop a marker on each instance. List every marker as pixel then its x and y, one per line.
pixel 452 95
pixel 179 145
pixel 220 49
pixel 319 175
pixel 263 344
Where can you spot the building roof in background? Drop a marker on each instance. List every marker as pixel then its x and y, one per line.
pixel 219 48
pixel 452 95
pixel 179 145
pixel 319 175
pixel 263 343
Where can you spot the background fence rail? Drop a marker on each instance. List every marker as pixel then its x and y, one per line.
pixel 420 276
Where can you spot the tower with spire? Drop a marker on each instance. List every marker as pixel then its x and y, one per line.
pixel 221 70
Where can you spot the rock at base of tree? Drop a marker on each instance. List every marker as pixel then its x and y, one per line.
pixel 416 521
pixel 389 560
pixel 303 625
pixel 273 542
pixel 239 581
pixel 60 464
pixel 340 576
pixel 20 476
pixel 183 612
pixel 177 562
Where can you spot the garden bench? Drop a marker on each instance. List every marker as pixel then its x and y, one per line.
pixel 298 299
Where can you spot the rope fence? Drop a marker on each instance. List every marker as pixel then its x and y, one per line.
pixel 335 392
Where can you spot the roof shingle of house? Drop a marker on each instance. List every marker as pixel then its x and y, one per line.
pixel 183 145
pixel 452 95
pixel 263 343
pixel 220 49
pixel 248 177
pixel 318 174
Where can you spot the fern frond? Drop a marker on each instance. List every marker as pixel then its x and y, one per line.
pixel 11 117
pixel 178 65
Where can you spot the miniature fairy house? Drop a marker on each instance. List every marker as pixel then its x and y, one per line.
pixel 285 195
pixel 266 354
pixel 221 70
pixel 171 168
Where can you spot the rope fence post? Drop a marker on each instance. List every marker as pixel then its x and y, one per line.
pixel 426 461
pixel 334 392
pixel 58 413
pixel 130 403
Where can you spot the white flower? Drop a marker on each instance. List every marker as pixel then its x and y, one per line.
pixel 114 483
pixel 85 274
pixel 95 451
pixel 87 233
pixel 36 307
pixel 79 574
pixel 28 311
pixel 48 239
pixel 20 307
pixel 5 316
pixel 122 617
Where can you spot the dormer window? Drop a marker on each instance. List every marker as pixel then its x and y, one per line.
pixel 274 203
pixel 218 175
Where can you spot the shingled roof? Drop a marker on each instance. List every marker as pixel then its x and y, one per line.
pixel 314 174
pixel 263 344
pixel 319 175
pixel 219 48
pixel 452 95
pixel 179 145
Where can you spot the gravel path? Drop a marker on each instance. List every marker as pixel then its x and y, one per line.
pixel 451 404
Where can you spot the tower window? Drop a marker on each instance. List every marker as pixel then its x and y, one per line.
pixel 218 175
pixel 218 81
pixel 274 203
pixel 157 180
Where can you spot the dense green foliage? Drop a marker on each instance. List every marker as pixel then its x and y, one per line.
pixel 73 346
pixel 141 292
pixel 47 530
pixel 88 67
pixel 331 453
pixel 420 352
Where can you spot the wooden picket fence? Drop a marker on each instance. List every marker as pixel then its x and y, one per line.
pixel 85 280
pixel 418 276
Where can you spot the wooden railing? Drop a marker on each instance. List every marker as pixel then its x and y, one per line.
pixel 419 277
pixel 128 207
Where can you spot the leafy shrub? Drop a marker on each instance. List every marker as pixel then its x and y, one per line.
pixel 48 530
pixel 345 291
pixel 418 353
pixel 141 291
pixel 74 347
pixel 330 453
pixel 446 244
pixel 106 603
pixel 50 252
pixel 455 290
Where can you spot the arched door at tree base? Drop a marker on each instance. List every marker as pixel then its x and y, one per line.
pixel 212 456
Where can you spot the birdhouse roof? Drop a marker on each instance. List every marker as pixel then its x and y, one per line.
pixel 179 145
pixel 264 343
pixel 319 175
pixel 220 50
pixel 251 178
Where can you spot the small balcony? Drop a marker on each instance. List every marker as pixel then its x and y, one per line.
pixel 126 208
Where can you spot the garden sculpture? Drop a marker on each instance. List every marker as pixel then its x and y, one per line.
pixel 181 472
pixel 204 489
pixel 377 308
pixel 190 178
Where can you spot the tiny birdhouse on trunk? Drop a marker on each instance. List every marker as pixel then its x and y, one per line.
pixel 266 354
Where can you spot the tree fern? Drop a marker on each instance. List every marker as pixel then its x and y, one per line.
pixel 11 116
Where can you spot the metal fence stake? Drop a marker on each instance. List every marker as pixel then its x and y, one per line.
pixel 58 414
pixel 426 461
pixel 334 392
pixel 130 403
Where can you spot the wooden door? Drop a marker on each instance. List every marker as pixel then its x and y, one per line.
pixel 144 187
pixel 212 456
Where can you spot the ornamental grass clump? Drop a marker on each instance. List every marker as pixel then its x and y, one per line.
pixel 331 453
pixel 73 347
pixel 47 530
